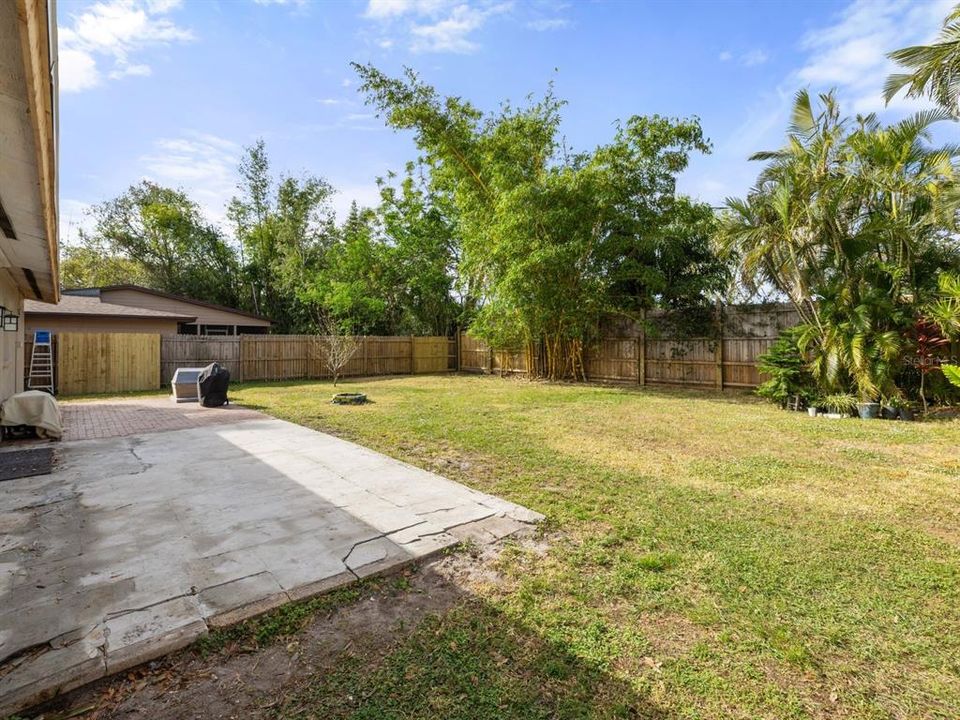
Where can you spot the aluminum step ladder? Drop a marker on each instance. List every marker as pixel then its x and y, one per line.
pixel 41 362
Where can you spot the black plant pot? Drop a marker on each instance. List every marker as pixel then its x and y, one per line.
pixel 906 414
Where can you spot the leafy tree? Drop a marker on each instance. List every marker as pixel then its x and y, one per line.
pixel 283 229
pixel 89 264
pixel 934 70
pixel 552 241
pixel 420 227
pixel 358 284
pixel 159 236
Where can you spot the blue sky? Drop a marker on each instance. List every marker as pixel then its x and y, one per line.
pixel 173 90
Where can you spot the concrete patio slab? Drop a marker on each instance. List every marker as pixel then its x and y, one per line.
pixel 137 544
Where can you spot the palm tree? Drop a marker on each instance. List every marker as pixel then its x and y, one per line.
pixel 934 69
pixel 846 221
pixel 779 235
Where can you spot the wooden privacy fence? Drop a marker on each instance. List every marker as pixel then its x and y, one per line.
pixel 627 353
pixel 121 362
pixel 296 357
pixel 197 351
pixel 106 362
pixel 725 359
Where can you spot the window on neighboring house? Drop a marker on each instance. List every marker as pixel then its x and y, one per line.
pixel 216 330
pixel 186 329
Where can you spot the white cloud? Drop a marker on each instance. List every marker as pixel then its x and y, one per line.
pixel 451 34
pixel 850 54
pixel 747 59
pixel 131 70
pixel 331 101
pixel 109 33
pixel 546 24
pixel 383 9
pixel 202 164
pixel 753 57
pixel 78 70
pixel 163 6
pixel 432 25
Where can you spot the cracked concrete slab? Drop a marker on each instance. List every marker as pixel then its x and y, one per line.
pixel 137 545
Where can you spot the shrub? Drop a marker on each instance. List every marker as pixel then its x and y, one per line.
pixel 788 371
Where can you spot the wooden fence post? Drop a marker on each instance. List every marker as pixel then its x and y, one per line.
pixel 459 349
pixel 642 350
pixel 718 351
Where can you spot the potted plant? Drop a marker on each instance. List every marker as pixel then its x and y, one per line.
pixel 892 405
pixel 868 409
pixel 839 405
pixel 889 408
pixel 901 406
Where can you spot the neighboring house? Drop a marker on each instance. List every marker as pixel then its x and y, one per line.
pixel 28 173
pixel 203 318
pixel 79 313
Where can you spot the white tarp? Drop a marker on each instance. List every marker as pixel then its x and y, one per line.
pixel 36 408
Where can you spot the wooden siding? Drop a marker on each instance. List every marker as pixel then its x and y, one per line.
pixel 11 357
pixel 205 315
pixel 105 324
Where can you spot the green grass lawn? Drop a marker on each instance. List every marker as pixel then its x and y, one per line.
pixel 710 556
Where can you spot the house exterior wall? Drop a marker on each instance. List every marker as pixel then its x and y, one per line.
pixel 11 343
pixel 106 324
pixel 205 315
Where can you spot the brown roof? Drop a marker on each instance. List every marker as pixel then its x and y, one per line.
pixel 181 298
pixel 85 305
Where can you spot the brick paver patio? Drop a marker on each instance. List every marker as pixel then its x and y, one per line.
pixel 135 416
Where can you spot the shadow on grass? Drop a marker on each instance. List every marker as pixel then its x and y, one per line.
pixel 471 662
pixel 414 646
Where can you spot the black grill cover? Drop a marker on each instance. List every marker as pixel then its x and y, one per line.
pixel 212 385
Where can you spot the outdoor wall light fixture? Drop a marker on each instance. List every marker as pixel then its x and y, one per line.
pixel 10 322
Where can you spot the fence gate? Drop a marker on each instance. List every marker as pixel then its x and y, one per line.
pixel 430 354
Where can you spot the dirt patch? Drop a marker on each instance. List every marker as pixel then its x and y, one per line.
pixel 246 682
